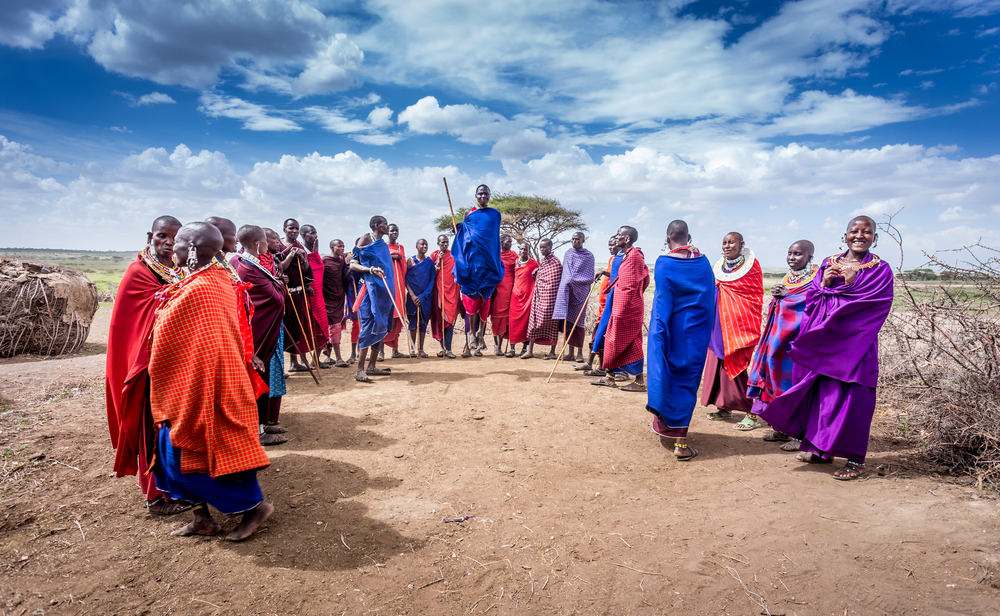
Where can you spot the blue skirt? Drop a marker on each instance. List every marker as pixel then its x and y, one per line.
pixel 231 494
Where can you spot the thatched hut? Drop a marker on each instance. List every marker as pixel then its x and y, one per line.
pixel 44 309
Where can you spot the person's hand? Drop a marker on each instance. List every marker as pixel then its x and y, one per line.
pixel 849 275
pixel 258 365
pixel 779 290
pixel 309 291
pixel 284 279
pixel 601 274
pixel 832 273
pixel 378 272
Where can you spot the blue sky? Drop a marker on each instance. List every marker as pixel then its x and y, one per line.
pixel 779 120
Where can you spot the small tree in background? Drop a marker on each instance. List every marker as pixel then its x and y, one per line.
pixel 527 219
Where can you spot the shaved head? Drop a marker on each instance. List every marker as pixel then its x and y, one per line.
pixel 678 231
pixel 165 221
pixel 805 245
pixel 250 233
pixel 228 230
pixel 870 220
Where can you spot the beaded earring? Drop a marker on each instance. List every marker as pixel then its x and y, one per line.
pixel 875 243
pixel 843 241
pixel 192 261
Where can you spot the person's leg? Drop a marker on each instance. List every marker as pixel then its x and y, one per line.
pixel 528 350
pixel 362 356
pixel 449 335
pixel 381 352
pixel 203 524
pixel 250 521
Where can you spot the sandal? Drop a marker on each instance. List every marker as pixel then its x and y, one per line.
pixel 595 372
pixel 340 363
pixel 397 355
pixel 162 506
pixel 748 423
pixel 478 353
pixel 527 356
pixel 811 458
pixel 449 355
pixel 777 436
pixel 298 368
pixel 692 452
pixel 583 367
pixel 272 439
pixel 580 360
pixel 363 378
pixel 792 445
pixel 466 353
pixel 413 354
pixel 379 372
pixel 621 377
pixel 549 356
pixel 351 360
pixel 423 355
pixel 605 382
pixel 720 415
pixel 509 353
pixel 851 471
pixel 440 353
pixel 639 387
pixel 275 429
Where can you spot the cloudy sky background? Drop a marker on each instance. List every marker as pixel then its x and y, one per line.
pixel 779 120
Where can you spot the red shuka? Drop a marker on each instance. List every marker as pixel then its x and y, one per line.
pixel 500 304
pixel 128 360
pixel 201 379
pixel 741 305
pixel 451 294
pixel 623 342
pixel 391 339
pixel 520 300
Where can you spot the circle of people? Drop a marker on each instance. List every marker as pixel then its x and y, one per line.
pixel 195 367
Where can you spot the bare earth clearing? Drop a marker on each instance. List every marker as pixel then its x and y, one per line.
pixel 578 509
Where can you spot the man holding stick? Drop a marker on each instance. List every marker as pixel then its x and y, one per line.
pixel 371 259
pixel 478 267
pixel 574 289
pixel 419 297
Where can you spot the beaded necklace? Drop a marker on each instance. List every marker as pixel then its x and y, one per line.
pixel 835 260
pixel 252 260
pixel 797 278
pixel 167 274
pixel 731 265
pixel 692 251
pixel 164 294
pixel 226 265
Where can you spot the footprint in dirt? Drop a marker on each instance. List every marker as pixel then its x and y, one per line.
pixel 313 527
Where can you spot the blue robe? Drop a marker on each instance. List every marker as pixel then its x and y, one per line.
pixel 478 266
pixel 375 312
pixel 420 277
pixel 679 331
pixel 602 326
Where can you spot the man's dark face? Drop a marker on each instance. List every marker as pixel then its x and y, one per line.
pixel 798 256
pixel 577 240
pixel 623 239
pixel 337 247
pixel 162 239
pixel 525 251
pixel 483 196
pixel 443 243
pixel 613 245
pixel 228 231
pixel 393 234
pixel 309 235
pixel 292 231
pixel 421 247
pixel 273 242
pixel 545 248
pixel 382 227
pixel 506 242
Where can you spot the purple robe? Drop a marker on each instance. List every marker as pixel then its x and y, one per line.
pixel 577 277
pixel 831 405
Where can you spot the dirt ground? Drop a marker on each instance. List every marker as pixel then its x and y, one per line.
pixel 579 509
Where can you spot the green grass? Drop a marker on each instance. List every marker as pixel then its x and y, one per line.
pixel 104 268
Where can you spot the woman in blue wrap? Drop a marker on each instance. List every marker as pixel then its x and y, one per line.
pixel 679 331
pixel 371 259
pixel 419 297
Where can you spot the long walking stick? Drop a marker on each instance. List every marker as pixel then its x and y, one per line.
pixel 454 226
pixel 392 298
pixel 309 321
pixel 292 338
pixel 566 337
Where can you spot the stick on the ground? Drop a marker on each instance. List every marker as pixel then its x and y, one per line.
pixel 566 337
pixel 392 298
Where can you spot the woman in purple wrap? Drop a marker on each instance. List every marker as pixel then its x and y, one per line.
pixel 831 405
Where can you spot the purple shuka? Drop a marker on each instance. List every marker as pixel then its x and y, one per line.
pixel 577 276
pixel 831 405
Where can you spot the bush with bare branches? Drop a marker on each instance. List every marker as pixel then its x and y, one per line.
pixel 941 360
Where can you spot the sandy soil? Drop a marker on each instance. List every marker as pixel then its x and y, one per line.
pixel 578 509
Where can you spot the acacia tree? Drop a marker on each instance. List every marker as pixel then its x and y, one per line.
pixel 528 220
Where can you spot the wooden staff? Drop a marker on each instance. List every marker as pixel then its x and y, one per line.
pixel 292 338
pixel 454 226
pixel 566 337
pixel 392 298
pixel 306 298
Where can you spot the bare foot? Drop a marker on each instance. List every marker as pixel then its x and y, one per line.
pixel 251 520
pixel 201 525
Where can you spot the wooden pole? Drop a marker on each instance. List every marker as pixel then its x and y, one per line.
pixel 306 298
pixel 392 298
pixel 454 226
pixel 567 336
pixel 296 311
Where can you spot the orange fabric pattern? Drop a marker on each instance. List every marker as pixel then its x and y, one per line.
pixel 602 292
pixel 199 379
pixel 452 294
pixel 391 339
pixel 741 304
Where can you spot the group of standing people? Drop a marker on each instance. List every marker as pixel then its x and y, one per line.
pixel 196 371
pixel 811 373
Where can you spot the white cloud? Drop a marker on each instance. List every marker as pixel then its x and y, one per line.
pixel 958 213
pixel 254 116
pixel 987 32
pixel 820 113
pixel 153 98
pixel 367 131
pixel 815 190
